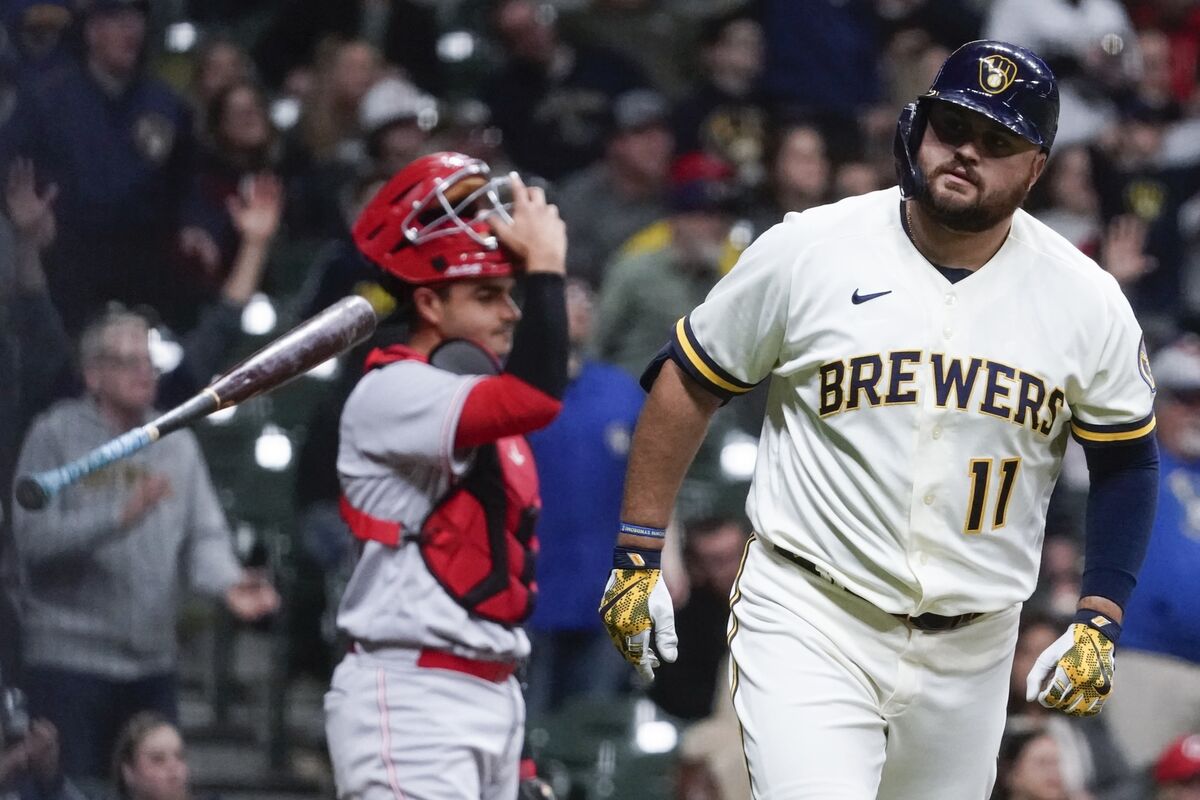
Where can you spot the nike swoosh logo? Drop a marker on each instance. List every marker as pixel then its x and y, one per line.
pixel 604 609
pixel 857 298
pixel 1103 684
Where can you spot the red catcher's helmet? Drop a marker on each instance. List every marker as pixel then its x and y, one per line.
pixel 429 223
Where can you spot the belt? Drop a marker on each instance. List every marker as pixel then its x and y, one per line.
pixel 430 658
pixel 927 622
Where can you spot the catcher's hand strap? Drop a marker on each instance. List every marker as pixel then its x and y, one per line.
pixel 1080 666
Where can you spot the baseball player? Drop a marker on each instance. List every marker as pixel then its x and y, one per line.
pixel 929 348
pixel 440 488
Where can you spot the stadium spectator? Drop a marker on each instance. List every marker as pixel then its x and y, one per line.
pixel 1089 44
pixel 1177 771
pixel 219 63
pixel 326 148
pixel 34 348
pixel 240 142
pixel 712 553
pixel 1031 768
pixel 119 145
pixel 1133 180
pixel 396 119
pixel 645 293
pixel 404 32
pixel 799 177
pixel 948 23
pixel 148 760
pixel 346 71
pixel 1160 642
pixel 255 212
pixel 39 32
pixel 34 354
pixel 1069 201
pixel 30 769
pixel 550 97
pixel 855 177
pixel 659 36
pixel 104 564
pixel 608 202
pixel 581 459
pixel 724 113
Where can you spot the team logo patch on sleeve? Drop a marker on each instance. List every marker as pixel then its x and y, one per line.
pixel 1144 365
pixel 996 73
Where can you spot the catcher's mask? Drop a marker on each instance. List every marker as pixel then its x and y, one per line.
pixel 430 222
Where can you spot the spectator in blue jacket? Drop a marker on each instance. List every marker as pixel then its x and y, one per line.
pixel 1160 642
pixel 581 467
pixel 119 145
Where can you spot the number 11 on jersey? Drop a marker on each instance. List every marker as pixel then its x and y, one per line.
pixel 980 471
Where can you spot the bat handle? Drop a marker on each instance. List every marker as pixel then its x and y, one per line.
pixel 34 491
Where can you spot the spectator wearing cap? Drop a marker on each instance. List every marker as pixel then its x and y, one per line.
pixel 550 97
pixel 608 202
pixel 397 119
pixel 1177 771
pixel 119 145
pixel 1160 640
pixel 645 293
pixel 38 30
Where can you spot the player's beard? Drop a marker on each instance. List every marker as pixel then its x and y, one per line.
pixel 986 212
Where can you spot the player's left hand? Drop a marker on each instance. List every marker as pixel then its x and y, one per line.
pixel 636 603
pixel 1080 665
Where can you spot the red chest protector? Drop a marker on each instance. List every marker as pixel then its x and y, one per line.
pixel 478 540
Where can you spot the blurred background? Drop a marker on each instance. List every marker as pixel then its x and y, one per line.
pixel 200 162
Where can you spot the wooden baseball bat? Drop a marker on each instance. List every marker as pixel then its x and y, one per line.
pixel 333 331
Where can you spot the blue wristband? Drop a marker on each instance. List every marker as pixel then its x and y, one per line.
pixel 1101 622
pixel 636 558
pixel 642 530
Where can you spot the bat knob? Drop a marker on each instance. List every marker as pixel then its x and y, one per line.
pixel 30 494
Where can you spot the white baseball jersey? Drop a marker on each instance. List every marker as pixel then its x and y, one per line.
pixel 915 427
pixel 395 459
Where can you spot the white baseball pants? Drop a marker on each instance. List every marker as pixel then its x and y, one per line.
pixel 397 731
pixel 839 700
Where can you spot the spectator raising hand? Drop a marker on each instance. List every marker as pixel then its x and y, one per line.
pixel 1124 254
pixel 31 211
pixel 255 212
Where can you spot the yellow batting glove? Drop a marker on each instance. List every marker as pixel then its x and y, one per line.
pixel 637 605
pixel 1080 666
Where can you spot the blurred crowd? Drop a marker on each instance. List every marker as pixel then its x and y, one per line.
pixel 162 160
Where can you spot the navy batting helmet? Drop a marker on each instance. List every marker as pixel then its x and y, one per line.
pixel 1004 82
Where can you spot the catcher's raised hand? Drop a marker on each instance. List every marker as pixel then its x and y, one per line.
pixel 636 604
pixel 1080 667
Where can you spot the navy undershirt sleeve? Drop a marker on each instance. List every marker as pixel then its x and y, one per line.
pixel 540 347
pixel 1120 514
